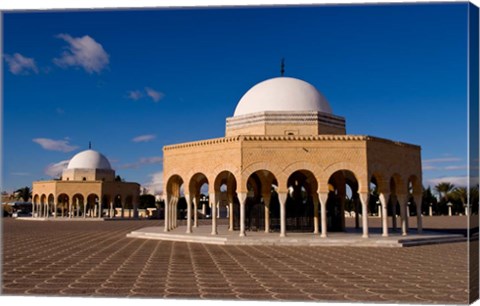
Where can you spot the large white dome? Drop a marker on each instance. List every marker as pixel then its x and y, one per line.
pixel 282 94
pixel 89 159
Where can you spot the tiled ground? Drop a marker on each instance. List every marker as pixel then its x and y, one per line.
pixel 96 259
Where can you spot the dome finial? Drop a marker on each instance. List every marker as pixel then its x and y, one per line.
pixel 89 145
pixel 282 67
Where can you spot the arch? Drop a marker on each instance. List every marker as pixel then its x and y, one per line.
pixel 91 203
pixel 355 171
pixel 396 185
pixel 337 199
pixel 173 185
pixel 36 199
pixel 262 210
pixel 380 181
pixel 275 170
pixel 43 199
pixel 416 187
pixel 302 186
pixel 196 181
pixel 78 201
pixel 225 178
pixel 63 202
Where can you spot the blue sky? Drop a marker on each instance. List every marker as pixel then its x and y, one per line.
pixel 132 81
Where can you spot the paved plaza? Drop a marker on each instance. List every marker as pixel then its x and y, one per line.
pixel 96 259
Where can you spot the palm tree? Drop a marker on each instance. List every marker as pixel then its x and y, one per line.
pixel 461 194
pixel 444 189
pixel 23 193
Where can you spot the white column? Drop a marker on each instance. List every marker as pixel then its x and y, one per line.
pixel 355 203
pixel 364 201
pixel 112 213
pixel 383 197
pixel 189 213
pixel 266 200
pixel 418 201
pixel 165 214
pixel 323 197
pixel 394 212
pixel 230 215
pixel 282 198
pixel 430 212
pixel 47 212
pixel 99 210
pixel 316 221
pixel 213 202
pixel 175 212
pixel 85 209
pixel 242 198
pixel 171 222
pixel 196 200
pixel 402 200
pixel 55 207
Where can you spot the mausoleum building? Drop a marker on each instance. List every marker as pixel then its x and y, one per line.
pixel 88 188
pixel 286 164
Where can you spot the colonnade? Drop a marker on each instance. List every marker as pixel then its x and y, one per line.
pixel 320 217
pixel 76 208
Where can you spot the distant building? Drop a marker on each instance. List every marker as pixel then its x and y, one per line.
pixel 88 188
pixel 287 164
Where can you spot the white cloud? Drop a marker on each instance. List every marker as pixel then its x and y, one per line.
pixel 135 95
pixel 84 52
pixel 144 138
pixel 155 185
pixel 460 167
pixel 155 95
pixel 143 161
pixel 19 64
pixel 441 160
pixel 55 145
pixel 459 181
pixel 56 169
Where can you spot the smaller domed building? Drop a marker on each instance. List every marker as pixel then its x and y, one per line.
pixel 88 188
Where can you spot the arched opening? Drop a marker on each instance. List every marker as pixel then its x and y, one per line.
pixel 51 205
pixel 43 205
pixel 302 188
pixel 262 210
pixel 225 186
pixel 374 205
pixel 129 205
pixel 199 188
pixel 118 206
pixel 35 202
pixel 394 208
pixel 107 202
pixel 91 205
pixel 63 204
pixel 175 192
pixel 77 205
pixel 338 184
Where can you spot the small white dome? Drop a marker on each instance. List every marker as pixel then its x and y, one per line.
pixel 282 94
pixel 89 159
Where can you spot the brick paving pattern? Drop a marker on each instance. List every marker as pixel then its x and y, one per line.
pixel 96 259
